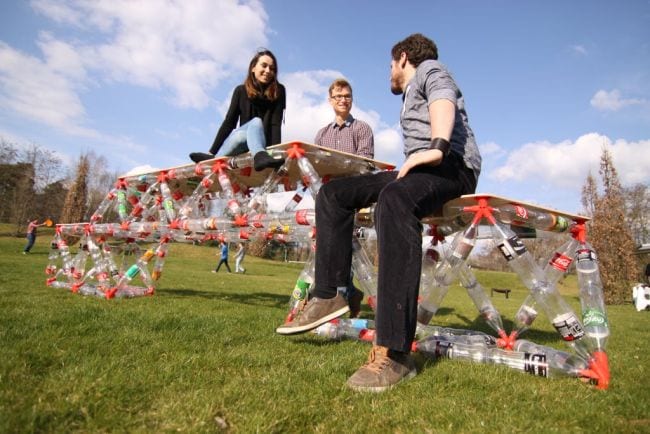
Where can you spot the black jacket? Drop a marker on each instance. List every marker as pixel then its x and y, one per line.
pixel 243 109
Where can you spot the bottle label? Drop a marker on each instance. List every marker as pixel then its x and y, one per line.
pixel 463 249
pixel 521 212
pixel 300 290
pixel 586 255
pixel 132 272
pixel 444 349
pixel 594 318
pixel 301 217
pixel 535 364
pixel 561 224
pixel 526 315
pixel 561 261
pixel 512 247
pixel 568 326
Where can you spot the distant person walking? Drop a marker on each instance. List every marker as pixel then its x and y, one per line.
pixel 239 257
pixel 31 235
pixel 224 258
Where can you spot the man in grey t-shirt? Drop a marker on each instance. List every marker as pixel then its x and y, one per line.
pixel 442 163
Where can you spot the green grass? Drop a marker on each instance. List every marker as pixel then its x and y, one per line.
pixel 203 351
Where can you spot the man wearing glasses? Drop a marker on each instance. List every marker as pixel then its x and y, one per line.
pixel 346 133
pixel 353 136
pixel 442 163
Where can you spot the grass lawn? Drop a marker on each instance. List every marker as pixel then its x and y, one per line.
pixel 202 356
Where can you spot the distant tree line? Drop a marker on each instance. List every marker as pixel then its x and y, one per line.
pixel 35 184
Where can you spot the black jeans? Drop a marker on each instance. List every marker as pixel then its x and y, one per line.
pixel 400 205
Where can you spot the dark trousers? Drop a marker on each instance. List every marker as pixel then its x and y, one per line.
pixel 400 205
pixel 31 238
pixel 224 262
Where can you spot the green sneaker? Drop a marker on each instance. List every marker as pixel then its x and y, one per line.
pixel 383 370
pixel 313 313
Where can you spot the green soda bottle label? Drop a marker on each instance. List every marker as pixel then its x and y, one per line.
pixel 132 271
pixel 300 290
pixel 594 318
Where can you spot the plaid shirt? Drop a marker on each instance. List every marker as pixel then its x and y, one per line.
pixel 354 137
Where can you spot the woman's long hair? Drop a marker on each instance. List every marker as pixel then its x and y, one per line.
pixel 254 89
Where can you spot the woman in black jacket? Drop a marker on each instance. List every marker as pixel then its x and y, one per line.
pixel 258 105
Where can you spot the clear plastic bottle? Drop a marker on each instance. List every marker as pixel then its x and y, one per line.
pixel 98 215
pixel 519 215
pixel 233 208
pixel 594 315
pixel 121 205
pixel 446 272
pixel 190 207
pixel 482 302
pixel 556 267
pixel 431 256
pixel 546 295
pixel 167 201
pixel 465 335
pixel 310 176
pixel 548 365
pixel 140 267
pixel 347 328
pixel 364 272
pixel 161 254
pixel 559 362
pixel 295 200
pixel 304 283
pixel 257 202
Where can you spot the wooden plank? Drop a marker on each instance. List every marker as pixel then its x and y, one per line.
pixel 327 162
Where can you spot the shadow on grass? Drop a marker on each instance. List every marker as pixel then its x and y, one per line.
pixel 249 298
pixel 460 321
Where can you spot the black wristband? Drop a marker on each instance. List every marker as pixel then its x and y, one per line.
pixel 442 145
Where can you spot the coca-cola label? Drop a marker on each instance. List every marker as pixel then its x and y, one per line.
pixel 568 327
pixel 512 247
pixel 585 255
pixel 535 364
pixel 301 217
pixel 594 318
pixel 521 212
pixel 561 261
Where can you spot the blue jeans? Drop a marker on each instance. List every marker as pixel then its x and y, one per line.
pixel 401 204
pixel 248 137
pixel 30 242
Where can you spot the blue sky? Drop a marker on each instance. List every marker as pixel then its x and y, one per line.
pixel 546 84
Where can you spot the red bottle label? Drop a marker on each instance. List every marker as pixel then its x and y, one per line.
pixel 561 262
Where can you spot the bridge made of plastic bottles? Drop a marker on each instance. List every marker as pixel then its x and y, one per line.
pixel 124 245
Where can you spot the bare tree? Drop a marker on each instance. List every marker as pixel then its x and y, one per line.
pixel 610 233
pixel 589 195
pixel 100 180
pixel 25 173
pixel 75 205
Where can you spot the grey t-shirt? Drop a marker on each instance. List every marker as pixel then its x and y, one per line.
pixel 431 82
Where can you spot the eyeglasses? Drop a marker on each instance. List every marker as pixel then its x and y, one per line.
pixel 341 97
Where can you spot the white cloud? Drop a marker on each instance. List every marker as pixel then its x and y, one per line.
pixel 566 164
pixel 612 101
pixel 491 149
pixel 172 45
pixel 38 90
pixel 579 49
